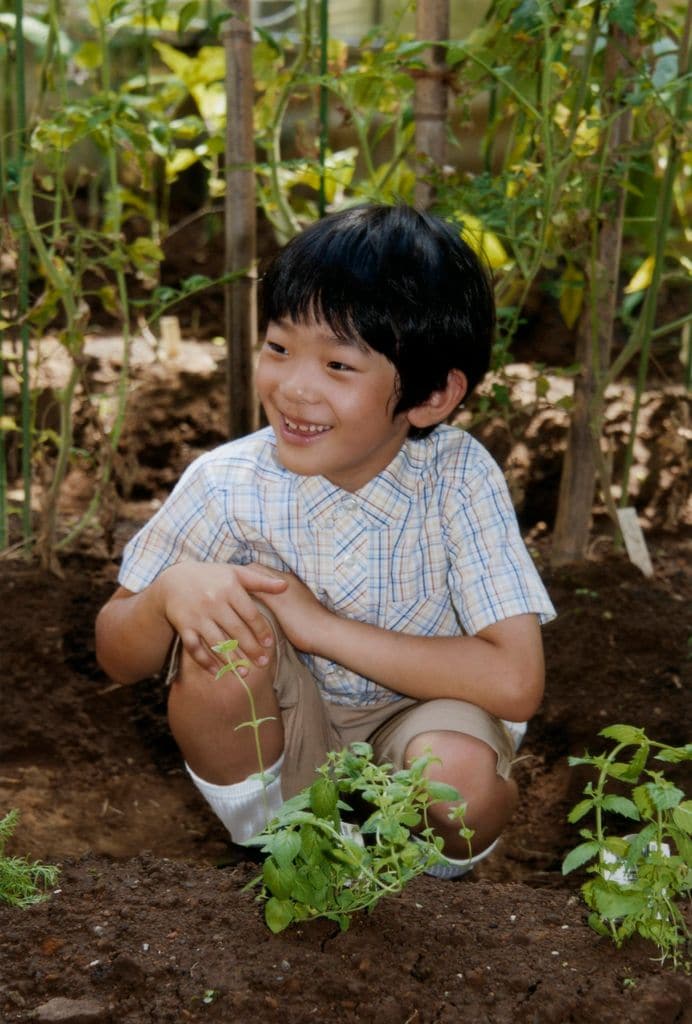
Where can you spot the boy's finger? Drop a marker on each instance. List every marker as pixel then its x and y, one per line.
pixel 261 578
pixel 198 650
pixel 250 628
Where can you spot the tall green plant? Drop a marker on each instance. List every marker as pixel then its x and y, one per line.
pixel 575 93
pixel 299 174
pixel 84 139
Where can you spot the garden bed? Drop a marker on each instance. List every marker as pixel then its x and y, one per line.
pixel 150 921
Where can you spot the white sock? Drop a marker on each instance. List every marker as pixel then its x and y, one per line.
pixel 448 867
pixel 517 730
pixel 244 807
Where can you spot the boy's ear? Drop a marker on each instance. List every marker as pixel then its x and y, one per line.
pixel 438 405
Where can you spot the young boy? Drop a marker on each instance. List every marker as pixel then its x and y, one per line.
pixel 366 557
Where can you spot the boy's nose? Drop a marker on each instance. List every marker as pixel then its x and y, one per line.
pixel 298 389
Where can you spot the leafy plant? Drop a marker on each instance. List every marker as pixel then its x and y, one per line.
pixel 636 880
pixel 22 882
pixel 319 866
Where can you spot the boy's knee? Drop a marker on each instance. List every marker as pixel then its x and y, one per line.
pixel 453 753
pixel 223 695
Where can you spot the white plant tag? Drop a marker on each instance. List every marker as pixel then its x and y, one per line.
pixel 634 540
pixel 171 341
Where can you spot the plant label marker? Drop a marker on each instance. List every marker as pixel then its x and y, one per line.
pixel 634 540
pixel 171 341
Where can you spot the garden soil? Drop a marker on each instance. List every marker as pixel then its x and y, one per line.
pixel 150 920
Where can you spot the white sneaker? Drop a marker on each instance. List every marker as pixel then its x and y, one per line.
pixel 448 867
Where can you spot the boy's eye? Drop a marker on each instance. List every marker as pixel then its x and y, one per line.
pixel 335 365
pixel 274 346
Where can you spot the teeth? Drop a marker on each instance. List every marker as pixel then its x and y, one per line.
pixel 309 428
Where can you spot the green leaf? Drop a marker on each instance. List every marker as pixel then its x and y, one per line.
pixel 89 55
pixel 673 755
pixel 682 816
pixel 285 847
pixel 187 12
pixel 623 734
pixel 323 798
pixel 278 879
pixel 195 283
pixel 621 805
pixel 612 902
pixel 278 914
pixel 664 795
pixel 597 925
pixel 579 810
pixel 642 799
pixel 578 856
pixel 441 791
pixel 623 14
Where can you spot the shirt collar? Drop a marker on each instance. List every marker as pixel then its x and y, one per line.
pixel 385 498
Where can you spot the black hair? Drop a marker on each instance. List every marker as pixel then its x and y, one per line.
pixel 402 281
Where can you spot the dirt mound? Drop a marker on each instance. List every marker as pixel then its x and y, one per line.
pixel 147 926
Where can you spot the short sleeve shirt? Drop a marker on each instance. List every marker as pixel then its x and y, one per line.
pixel 430 546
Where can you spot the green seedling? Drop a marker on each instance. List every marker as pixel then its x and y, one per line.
pixel 637 881
pixel 317 866
pixel 226 650
pixel 22 882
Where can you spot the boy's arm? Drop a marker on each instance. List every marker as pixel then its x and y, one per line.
pixel 499 669
pixel 204 603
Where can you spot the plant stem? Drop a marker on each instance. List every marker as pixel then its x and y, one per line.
pixel 23 278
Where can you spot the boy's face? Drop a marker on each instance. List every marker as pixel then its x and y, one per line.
pixel 330 403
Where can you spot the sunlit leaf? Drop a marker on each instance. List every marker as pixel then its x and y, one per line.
pixel 642 277
pixel 571 285
pixel 89 55
pixel 482 241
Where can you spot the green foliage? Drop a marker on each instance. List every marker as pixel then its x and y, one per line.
pixel 22 882
pixel 125 109
pixel 317 867
pixel 549 169
pixel 637 880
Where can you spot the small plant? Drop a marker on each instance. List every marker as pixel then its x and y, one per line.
pixel 318 865
pixel 636 880
pixel 22 882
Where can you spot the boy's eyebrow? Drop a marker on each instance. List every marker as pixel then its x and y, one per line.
pixel 329 335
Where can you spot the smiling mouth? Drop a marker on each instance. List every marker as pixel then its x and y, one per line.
pixel 307 429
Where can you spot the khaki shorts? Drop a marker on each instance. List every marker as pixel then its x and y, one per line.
pixel 313 726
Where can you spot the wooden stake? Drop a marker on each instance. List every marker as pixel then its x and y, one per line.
pixel 241 221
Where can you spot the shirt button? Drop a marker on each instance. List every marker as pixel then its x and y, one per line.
pixel 350 504
pixel 350 560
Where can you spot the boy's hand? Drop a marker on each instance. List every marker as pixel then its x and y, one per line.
pixel 300 614
pixel 207 603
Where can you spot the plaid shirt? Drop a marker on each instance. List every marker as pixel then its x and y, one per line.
pixel 430 546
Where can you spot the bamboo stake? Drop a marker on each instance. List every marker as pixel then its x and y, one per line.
pixel 430 100
pixel 240 217
pixel 324 101
pixel 583 459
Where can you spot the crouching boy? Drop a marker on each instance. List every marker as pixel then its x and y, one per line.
pixel 365 555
